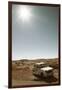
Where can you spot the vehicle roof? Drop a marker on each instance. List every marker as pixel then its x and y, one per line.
pixel 46 68
pixel 40 63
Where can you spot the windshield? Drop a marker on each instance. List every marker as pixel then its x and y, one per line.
pixel 49 71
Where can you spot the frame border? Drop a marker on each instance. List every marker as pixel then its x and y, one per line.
pixel 10 42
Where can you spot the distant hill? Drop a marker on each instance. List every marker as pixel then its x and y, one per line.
pixel 36 60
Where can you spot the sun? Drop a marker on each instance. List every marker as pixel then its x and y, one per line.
pixel 24 13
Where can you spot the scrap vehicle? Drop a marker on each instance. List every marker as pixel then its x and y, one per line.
pixel 42 70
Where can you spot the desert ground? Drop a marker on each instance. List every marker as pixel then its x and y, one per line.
pixel 22 72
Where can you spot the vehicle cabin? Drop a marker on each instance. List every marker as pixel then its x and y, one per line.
pixel 40 65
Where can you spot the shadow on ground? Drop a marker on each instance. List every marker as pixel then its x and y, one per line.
pixel 48 80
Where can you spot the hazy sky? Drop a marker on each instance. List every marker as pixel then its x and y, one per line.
pixel 34 32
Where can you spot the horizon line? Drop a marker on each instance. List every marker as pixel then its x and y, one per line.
pixel 34 58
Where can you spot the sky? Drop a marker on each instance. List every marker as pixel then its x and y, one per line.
pixel 34 32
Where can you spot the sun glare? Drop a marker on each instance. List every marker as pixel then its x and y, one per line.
pixel 24 13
